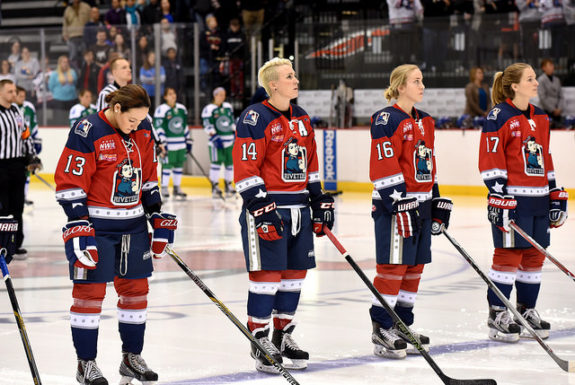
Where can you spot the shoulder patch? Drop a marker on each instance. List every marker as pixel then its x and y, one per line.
pixel 493 114
pixel 382 118
pixel 82 128
pixel 251 118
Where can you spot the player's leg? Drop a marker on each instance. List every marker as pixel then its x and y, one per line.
pixel 229 171
pixel 167 166
pixel 178 171
pixel 214 175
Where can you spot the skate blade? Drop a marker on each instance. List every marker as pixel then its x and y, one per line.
pixel 269 369
pixel 126 380
pixel 398 354
pixel 296 364
pixel 542 333
pixel 498 336
pixel 412 350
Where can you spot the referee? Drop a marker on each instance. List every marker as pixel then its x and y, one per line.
pixel 16 155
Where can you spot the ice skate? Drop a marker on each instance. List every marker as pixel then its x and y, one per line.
pixel 165 192
pixel 133 367
pixel 230 190
pixel 540 326
pixel 89 374
pixel 501 327
pixel 262 364
pixel 283 340
pixel 217 192
pixel 179 194
pixel 387 343
pixel 411 349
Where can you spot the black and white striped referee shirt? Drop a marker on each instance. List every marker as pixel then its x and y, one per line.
pixel 15 137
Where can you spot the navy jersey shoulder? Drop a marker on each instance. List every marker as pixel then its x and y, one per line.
pixel 538 111
pixel 385 121
pixel 297 111
pixel 498 116
pixel 86 131
pixel 253 121
pixel 422 114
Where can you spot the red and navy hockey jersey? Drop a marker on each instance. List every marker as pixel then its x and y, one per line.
pixel 107 175
pixel 514 156
pixel 402 161
pixel 277 156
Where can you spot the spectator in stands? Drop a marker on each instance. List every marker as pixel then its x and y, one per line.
pixel 112 32
pixel 15 49
pixel 253 12
pixel 166 10
pixel 76 15
pixel 553 25
pixel 235 51
pixel 26 70
pixel 529 22
pixel 477 97
pixel 121 47
pixel 89 73
pixel 6 71
pixel 550 93
pixel 92 27
pixel 152 13
pixel 226 10
pixel 148 77
pixel 116 15
pixel 403 15
pixel 142 49
pixel 210 54
pixel 101 49
pixel 168 36
pixel 133 13
pixel 435 33
pixel 174 72
pixel 62 84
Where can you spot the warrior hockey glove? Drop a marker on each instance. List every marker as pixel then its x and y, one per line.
pixel 440 213
pixel 164 226
pixel 501 210
pixel 322 208
pixel 267 220
pixel 8 229
pixel 80 244
pixel 406 215
pixel 558 206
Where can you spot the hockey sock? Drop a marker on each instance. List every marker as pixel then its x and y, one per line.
pixel 264 285
pixel 287 297
pixel 528 281
pixel 215 173
pixel 177 172
pixel 229 174
pixel 85 318
pixel 503 273
pixel 387 282
pixel 165 177
pixel 132 309
pixel 408 293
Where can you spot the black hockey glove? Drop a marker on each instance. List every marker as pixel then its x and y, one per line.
pixel 440 213
pixel 501 210
pixel 8 230
pixel 407 217
pixel 322 211
pixel 268 221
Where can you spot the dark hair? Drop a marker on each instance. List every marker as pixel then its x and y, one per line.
pixel 20 89
pixel 83 91
pixel 128 97
pixel 3 82
pixel 167 89
pixel 545 61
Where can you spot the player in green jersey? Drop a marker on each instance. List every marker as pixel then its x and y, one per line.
pixel 171 123
pixel 218 121
pixel 82 109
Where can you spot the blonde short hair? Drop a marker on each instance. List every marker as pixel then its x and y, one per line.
pixel 397 79
pixel 268 72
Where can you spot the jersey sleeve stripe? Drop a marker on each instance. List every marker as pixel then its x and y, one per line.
pixel 528 191
pixel 313 177
pixel 248 183
pixel 494 173
pixel 388 181
pixel 71 194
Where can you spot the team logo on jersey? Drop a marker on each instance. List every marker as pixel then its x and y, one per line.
pixel 493 114
pixel 294 161
pixel 127 184
pixel 224 123
pixel 422 162
pixel 382 118
pixel 107 145
pixel 532 124
pixel 176 125
pixel 251 118
pixel 82 128
pixel 533 157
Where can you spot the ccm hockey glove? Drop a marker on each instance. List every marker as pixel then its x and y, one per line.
pixel 501 210
pixel 322 209
pixel 406 215
pixel 558 206
pixel 440 213
pixel 268 221
pixel 164 226
pixel 80 244
pixel 8 230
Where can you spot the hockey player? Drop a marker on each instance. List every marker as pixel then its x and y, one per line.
pixel 407 208
pixel 517 168
pixel 218 120
pixel 84 108
pixel 28 111
pixel 276 220
pixel 107 185
pixel 171 123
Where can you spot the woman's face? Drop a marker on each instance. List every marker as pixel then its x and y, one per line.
pixel 413 88
pixel 119 39
pixel 527 86
pixel 152 59
pixel 5 66
pixel 479 75
pixel 86 99
pixel 25 54
pixel 16 47
pixel 129 120
pixel 287 84
pixel 64 64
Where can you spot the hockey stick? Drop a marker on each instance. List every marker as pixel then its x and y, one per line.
pixel 19 319
pixel 568 366
pixel 402 326
pixel 540 248
pixel 44 181
pixel 230 315
pixel 205 174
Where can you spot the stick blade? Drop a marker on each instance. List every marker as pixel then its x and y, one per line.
pixel 486 381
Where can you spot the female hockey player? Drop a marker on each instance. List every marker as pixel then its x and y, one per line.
pixel 276 173
pixel 107 185
pixel 406 203
pixel 517 168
